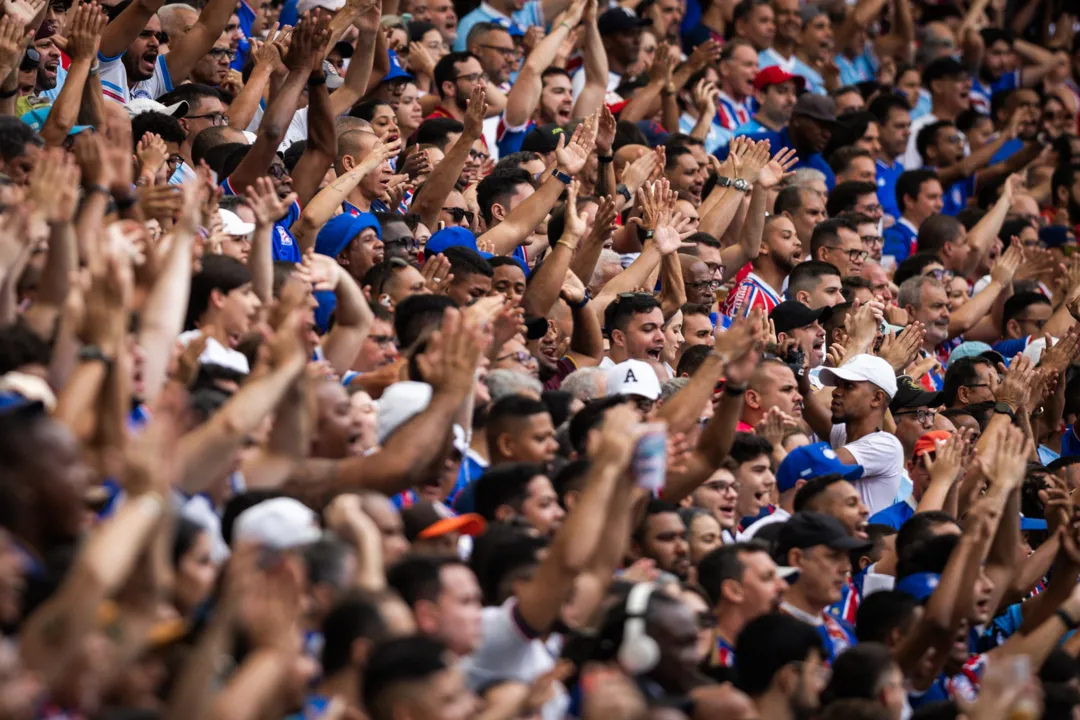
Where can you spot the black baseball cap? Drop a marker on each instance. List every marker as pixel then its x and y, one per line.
pixel 542 138
pixel 910 395
pixel 792 315
pixel 619 19
pixel 943 67
pixel 810 529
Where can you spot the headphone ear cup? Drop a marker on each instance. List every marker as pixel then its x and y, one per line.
pixel 638 653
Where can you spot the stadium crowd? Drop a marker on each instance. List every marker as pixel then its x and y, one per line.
pixel 539 359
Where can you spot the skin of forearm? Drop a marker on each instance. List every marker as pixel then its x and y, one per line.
pixel 587 339
pixel 192 694
pixel 515 229
pixel 243 107
pixel 61 261
pixel 322 136
pixel 207 451
pixel 90 220
pixel 323 206
pixel 357 76
pixel 672 290
pixel 683 410
pixel 701 127
pixel 65 111
pixel 981 237
pixel 716 220
pixel 645 102
pixel 353 322
pixel 254 685
pixel 1032 569
pixel 77 399
pixel 596 74
pixel 162 316
pixel 980 304
pixel 577 541
pixel 111 432
pixel 978 159
pixel 754 227
pixel 670 112
pixel 429 200
pixel 524 95
pixel 261 264
pixel 1004 557
pixel 583 264
pixel 92 105
pixel 543 292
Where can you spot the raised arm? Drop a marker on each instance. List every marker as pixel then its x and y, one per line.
pixel 321 146
pixel 592 95
pixel 186 52
pixel 84 36
pixel 125 27
pixel 355 84
pixel 543 289
pixel 524 95
pixel 1001 276
pixel 352 319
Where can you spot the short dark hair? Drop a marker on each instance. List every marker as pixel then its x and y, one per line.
pixel 414 315
pixel 692 359
pixel 789 199
pixel 505 484
pixel 19 346
pixel 927 556
pixel 403 660
pixel 883 104
pixel 1062 177
pixel 353 617
pixel 218 272
pixel 937 230
pixel 928 136
pixel 882 612
pixel 673 154
pixel 842 158
pixel 910 183
pixel 436 131
pixel 365 110
pixel 748 446
pixel 919 527
pixel 165 126
pixel 15 135
pixel 844 196
pixel 207 140
pixel 416 577
pixel 914 265
pixel 807 275
pixel 969 118
pixel 515 160
pixel 498 187
pixel 722 564
pixel 466 261
pixel 589 417
pixel 850 284
pixel 1020 302
pixel 767 644
pixel 445 70
pixel 619 311
pixel 961 373
pixel 418 29
pixel 812 489
pixel 827 233
pixel 704 238
pixel 859 671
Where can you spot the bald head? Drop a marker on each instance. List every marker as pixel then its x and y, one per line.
pixel 176 19
pixel 356 144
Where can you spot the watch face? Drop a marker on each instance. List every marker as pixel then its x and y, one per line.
pixel 742 185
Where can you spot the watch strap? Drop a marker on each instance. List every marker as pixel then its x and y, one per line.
pixel 722 181
pixel 624 191
pixel 561 176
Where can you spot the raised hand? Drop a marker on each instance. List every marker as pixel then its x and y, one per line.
pixel 1004 269
pixel 572 156
pixel 705 97
pixel 22 11
pixel 476 112
pixel 1062 354
pixel 420 60
pixel 704 54
pixel 307 37
pixel 948 458
pixel 754 160
pixel 263 200
pixel 778 168
pixel 637 173
pixel 605 128
pixel 1018 381
pixel 152 154
pixel 614 444
pixel 84 31
pixel 574 227
pixel 572 290
pixel 436 272
pixel 900 350
pixel 1005 458
pixel 775 425
pixel 13 41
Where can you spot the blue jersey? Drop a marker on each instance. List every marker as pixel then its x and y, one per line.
pixel 982 91
pixel 887 175
pixel 955 198
pixel 894 516
pixel 1011 348
pixel 285 247
pixel 899 240
pixel 963 685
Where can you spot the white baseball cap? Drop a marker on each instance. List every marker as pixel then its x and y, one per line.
pixel 142 105
pixel 280 523
pixel 306 5
pixel 863 368
pixel 1034 349
pixel 231 224
pixel 400 402
pixel 633 377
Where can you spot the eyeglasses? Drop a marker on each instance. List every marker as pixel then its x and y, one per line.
pixel 721 486
pixel 975 385
pixel 853 255
pixel 873 240
pixel 174 161
pixel 382 340
pixel 643 404
pixel 472 77
pixel 219 52
pixel 520 357
pixel 278 172
pixel 871 209
pixel 459 214
pixel 217 119
pixel 922 415
pixel 506 52
pixel 715 268
pixel 477 155
pixel 706 620
pixel 940 274
pixel 161 35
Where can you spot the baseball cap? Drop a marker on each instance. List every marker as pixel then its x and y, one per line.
pixel 818 107
pixel 36 120
pixel 919 585
pixel 400 402
pixel 511 27
pixel 909 395
pixel 633 377
pixel 619 19
pixel 927 442
pixel 862 368
pixel 339 231
pixel 138 106
pixel 448 238
pixel 1053 236
pixel 280 523
pixel 792 315
pixel 425 520
pixel 811 461
pixel 774 75
pixel 396 72
pixel 1034 349
pixel 542 138
pixel 809 529
pixel 231 224
pixel 943 67
pixel 974 348
pixel 304 6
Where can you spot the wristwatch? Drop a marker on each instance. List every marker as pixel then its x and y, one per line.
pixel 92 353
pixel 621 189
pixel 738 183
pixel 1004 408
pixel 561 176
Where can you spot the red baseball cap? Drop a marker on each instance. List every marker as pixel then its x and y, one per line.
pixel 928 441
pixel 774 75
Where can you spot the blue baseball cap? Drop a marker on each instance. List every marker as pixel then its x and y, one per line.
pixel 36 120
pixel 919 586
pixel 396 72
pixel 811 461
pixel 510 27
pixel 456 236
pixel 1028 524
pixel 974 348
pixel 336 235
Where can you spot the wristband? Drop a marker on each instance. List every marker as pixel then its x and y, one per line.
pixel 1003 408
pixel 621 189
pixel 604 159
pixel 584 301
pixel 92 353
pixel 1069 622
pixel 567 244
pixel 5 94
pixel 123 203
pixel 566 25
pixel 91 189
pixel 561 176
pixel 734 389
pixel 316 80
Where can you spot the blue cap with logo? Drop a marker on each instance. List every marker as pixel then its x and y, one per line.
pixel 396 72
pixel 811 461
pixel 919 585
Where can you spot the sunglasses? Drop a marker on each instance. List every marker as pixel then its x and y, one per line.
pixel 459 214
pixel 161 35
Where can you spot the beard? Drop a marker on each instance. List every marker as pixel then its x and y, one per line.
pixel 461 102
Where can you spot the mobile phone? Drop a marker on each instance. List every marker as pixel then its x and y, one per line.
pixel 649 462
